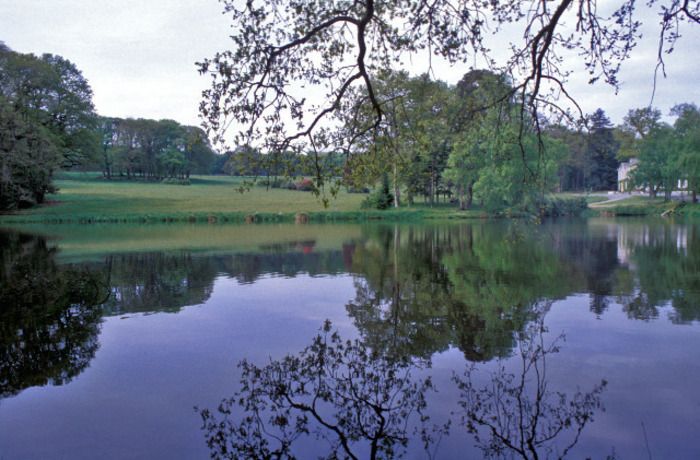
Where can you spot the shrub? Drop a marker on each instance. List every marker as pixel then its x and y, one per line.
pixel 381 198
pixel 355 189
pixel 560 206
pixel 305 185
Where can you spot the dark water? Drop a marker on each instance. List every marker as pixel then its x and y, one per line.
pixel 576 337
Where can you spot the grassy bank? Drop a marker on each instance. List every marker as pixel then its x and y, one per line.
pixel 86 198
pixel 644 206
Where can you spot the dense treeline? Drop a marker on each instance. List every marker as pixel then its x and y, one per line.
pixel 153 150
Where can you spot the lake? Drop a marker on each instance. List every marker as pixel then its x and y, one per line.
pixel 456 340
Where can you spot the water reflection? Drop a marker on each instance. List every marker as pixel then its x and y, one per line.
pixel 366 404
pixel 518 415
pixel 667 266
pixel 361 403
pixel 49 315
pixel 421 290
pixel 441 293
pixel 149 282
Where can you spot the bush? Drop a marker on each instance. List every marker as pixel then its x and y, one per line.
pixel 305 185
pixel 355 189
pixel 276 183
pixel 380 198
pixel 560 206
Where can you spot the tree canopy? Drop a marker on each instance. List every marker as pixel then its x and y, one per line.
pixel 152 149
pixel 46 121
pixel 283 50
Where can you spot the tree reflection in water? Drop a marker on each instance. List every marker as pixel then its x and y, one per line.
pixel 363 404
pixel 49 315
pixel 518 415
pixel 368 404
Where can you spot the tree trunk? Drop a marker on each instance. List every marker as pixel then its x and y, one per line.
pixel 397 189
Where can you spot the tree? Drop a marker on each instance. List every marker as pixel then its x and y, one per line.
pixel 602 153
pixel 475 120
pixel 637 125
pixel 46 121
pixel 464 164
pixel 284 49
pixel 153 149
pixel 572 166
pixel 687 127
pixel 28 158
pixel 54 93
pixel 658 166
pixel 412 140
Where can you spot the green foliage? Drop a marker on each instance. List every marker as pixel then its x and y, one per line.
pixel 46 121
pixel 152 150
pixel 687 127
pixel 658 166
pixel 602 154
pixel 552 206
pixel 381 198
pixel 28 158
pixel 476 119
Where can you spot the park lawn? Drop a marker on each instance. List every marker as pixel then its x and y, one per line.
pixel 646 206
pixel 86 197
pixel 587 196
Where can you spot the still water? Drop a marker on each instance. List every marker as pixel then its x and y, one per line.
pixel 574 338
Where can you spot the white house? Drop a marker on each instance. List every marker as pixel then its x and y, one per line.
pixel 623 175
pixel 624 183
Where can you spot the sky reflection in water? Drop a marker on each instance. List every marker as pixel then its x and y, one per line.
pixel 624 293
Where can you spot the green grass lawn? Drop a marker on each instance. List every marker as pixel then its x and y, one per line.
pixel 86 197
pixel 588 197
pixel 646 206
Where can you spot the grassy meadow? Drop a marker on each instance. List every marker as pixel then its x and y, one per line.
pixel 87 198
pixel 84 197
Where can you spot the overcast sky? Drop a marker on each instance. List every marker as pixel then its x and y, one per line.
pixel 139 55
